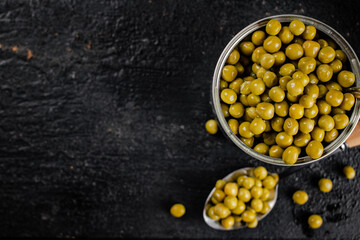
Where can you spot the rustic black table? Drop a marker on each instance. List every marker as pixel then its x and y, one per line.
pixel 102 112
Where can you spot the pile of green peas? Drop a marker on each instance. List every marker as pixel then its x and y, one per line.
pixel 241 200
pixel 283 91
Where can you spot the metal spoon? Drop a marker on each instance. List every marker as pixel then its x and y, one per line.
pixel 232 177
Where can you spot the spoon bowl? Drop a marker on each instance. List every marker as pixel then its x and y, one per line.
pixel 215 224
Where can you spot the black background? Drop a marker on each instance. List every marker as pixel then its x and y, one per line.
pixel 102 129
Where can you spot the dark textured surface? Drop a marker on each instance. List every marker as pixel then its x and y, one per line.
pixel 101 130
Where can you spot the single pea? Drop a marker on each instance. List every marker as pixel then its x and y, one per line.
pixel 218 196
pixel 277 124
pixel 248 216
pixel 211 213
pixel 256 192
pixel 294 51
pixel 265 110
pixel 311 48
pixel 223 84
pixel 300 197
pixel 276 94
pixel 228 96
pixel 231 189
pixel 248 141
pixel 266 194
pixel 291 126
pixel 245 88
pixel 235 85
pixel 262 148
pixel 341 121
pixel 326 54
pixel 323 43
pixel 258 37
pixel 247 48
pixel 177 210
pixel 228 222
pixel 240 68
pixel 337 110
pixel 324 107
pixel 230 202
pixel 324 72
pixel 282 108
pixel 225 110
pixel 253 99
pixel 311 112
pixel 348 102
pixel 257 86
pixel 318 134
pixel 334 97
pixel 315 221
pixel 240 208
pixel 295 87
pixel 272 44
pixel 290 155
pixel 275 151
pixel 346 78
pixel 236 110
pixel 267 60
pixel 257 126
pixel 269 182
pixel 229 73
pixel 297 27
pixel 333 86
pixel 336 65
pixel 279 58
pixel 244 130
pixel 306 125
pixel 234 125
pixel 270 79
pixel 248 182
pixel 349 172
pixel 273 27
pixel 331 135
pixel 314 149
pixel 260 172
pixel 325 185
pixel 257 204
pixel 302 139
pixel 339 54
pixel 307 101
pixel 283 139
pixel 265 97
pixel 309 33
pixel 244 195
pixel 313 78
pixel 220 184
pixel 326 122
pixel 221 210
pixel 296 111
pixel 211 126
pixel 287 69
pixel 233 57
pixel 258 183
pixel 286 35
pixel 307 64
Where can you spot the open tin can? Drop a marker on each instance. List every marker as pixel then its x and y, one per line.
pixel 247 31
